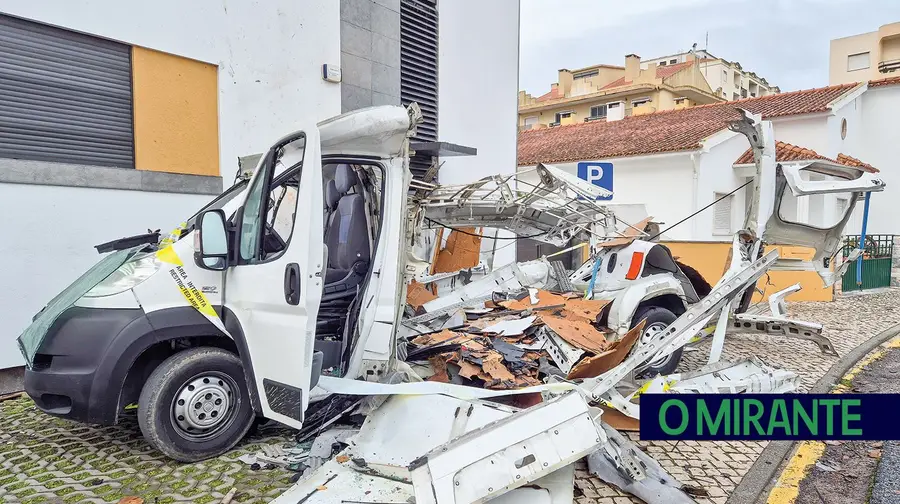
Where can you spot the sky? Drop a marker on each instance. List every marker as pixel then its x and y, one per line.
pixel 784 41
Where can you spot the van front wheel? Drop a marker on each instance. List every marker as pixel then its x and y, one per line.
pixel 195 405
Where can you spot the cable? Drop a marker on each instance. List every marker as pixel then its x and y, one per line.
pixel 481 236
pixel 698 211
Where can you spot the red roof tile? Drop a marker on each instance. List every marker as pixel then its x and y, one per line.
pixel 666 131
pixel 550 95
pixel 788 152
pixel 889 81
pixel 617 83
pixel 856 163
pixel 666 71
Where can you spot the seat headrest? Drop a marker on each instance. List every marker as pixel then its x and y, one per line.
pixel 344 178
pixel 331 195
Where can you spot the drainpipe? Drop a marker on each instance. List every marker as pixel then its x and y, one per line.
pixel 862 241
pixel 695 161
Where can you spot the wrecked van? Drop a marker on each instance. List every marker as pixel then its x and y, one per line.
pixel 297 272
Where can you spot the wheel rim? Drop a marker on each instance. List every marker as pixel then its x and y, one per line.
pixel 204 406
pixel 649 333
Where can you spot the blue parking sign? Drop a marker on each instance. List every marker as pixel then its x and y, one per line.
pixel 599 174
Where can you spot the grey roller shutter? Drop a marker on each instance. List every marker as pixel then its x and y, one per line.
pixel 64 96
pixel 419 69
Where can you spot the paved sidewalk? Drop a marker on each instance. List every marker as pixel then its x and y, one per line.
pixel 43 459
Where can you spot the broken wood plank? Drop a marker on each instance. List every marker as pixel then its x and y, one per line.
pixel 595 365
pixel 577 332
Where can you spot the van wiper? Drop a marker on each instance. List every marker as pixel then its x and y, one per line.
pixel 150 238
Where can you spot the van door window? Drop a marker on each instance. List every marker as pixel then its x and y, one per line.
pixel 268 219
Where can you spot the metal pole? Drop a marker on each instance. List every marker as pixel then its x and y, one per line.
pixel 862 241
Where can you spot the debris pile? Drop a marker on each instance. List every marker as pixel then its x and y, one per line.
pixel 515 341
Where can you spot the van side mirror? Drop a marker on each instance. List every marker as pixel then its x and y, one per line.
pixel 211 241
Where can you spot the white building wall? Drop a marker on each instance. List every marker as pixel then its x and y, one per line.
pixel 475 49
pixel 809 132
pixel 270 55
pixel 716 175
pixel 663 184
pixel 53 241
pixel 880 140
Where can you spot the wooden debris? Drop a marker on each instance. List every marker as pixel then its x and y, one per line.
pixel 577 332
pixel 229 496
pixel 596 365
pixel 620 421
pixel 439 364
pixel 14 395
pixel 417 294
pixel 131 499
pixel 462 251
pixel 588 309
pixel 545 298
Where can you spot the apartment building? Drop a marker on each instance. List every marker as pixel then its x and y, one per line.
pixel 727 79
pixel 866 56
pixel 609 93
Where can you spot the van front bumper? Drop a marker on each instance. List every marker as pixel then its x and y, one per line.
pixel 77 371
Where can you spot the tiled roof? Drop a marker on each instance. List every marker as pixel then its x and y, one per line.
pixel 856 163
pixel 617 83
pixel 788 152
pixel 665 71
pixel 889 81
pixel 666 131
pixel 550 95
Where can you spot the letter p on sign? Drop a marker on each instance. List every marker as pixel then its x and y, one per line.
pixel 598 174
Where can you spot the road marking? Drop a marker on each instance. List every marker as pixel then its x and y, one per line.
pixel 787 488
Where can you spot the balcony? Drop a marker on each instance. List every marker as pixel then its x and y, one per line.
pixel 889 66
pixel 595 118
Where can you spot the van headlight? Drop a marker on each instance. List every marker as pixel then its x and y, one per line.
pixel 128 276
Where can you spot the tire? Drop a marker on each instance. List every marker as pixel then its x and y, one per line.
pixel 197 377
pixel 657 318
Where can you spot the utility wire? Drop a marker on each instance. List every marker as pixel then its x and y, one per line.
pixel 698 211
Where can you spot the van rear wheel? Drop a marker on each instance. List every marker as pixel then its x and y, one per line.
pixel 195 405
pixel 658 319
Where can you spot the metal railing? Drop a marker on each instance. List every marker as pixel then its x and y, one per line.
pixel 889 65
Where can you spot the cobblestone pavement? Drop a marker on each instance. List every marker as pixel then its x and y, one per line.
pixel 50 460
pixel 43 459
pixel 718 466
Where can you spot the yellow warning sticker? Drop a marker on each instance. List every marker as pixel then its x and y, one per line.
pixel 194 296
pixel 190 292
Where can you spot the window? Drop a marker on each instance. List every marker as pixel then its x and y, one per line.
pixel 673 61
pixel 613 105
pixel 562 115
pixel 857 61
pixel 735 96
pixel 530 122
pixel 662 63
pixel 582 75
pixel 66 97
pixel 680 101
pixel 722 214
pixel 264 239
pixel 598 111
pixel 640 101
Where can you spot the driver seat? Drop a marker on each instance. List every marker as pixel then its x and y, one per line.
pixel 347 239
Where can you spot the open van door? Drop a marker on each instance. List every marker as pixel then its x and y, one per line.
pixel 273 284
pixel 813 202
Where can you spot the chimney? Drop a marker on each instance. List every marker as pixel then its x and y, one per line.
pixel 632 67
pixel 565 81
